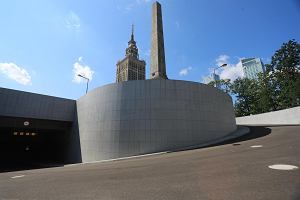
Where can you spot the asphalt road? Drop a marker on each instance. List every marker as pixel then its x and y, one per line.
pixel 233 171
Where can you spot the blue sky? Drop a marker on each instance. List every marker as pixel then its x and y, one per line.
pixel 43 43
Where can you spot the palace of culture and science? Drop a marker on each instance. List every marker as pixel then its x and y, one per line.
pixel 131 67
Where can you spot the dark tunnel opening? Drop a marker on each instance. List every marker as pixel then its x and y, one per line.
pixel 42 144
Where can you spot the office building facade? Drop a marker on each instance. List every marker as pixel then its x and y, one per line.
pixel 252 66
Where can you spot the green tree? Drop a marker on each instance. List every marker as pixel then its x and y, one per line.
pixel 285 75
pixel 266 93
pixel 224 85
pixel 277 88
pixel 246 92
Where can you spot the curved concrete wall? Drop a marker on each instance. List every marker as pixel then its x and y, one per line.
pixel 139 117
pixel 289 116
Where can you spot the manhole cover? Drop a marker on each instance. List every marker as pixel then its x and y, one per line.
pixel 256 146
pixel 283 167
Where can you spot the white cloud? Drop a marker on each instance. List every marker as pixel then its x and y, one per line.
pixel 232 71
pixel 185 71
pixel 12 71
pixel 177 24
pixel 73 21
pixel 206 79
pixel 82 69
pixel 132 4
pixel 222 59
pixel 143 1
pixel 129 7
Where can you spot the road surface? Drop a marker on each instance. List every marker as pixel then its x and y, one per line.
pixel 235 171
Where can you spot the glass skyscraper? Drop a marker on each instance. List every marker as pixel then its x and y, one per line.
pixel 252 66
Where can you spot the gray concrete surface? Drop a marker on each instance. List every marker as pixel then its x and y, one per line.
pixel 140 117
pixel 289 116
pixel 43 112
pixel 14 103
pixel 228 172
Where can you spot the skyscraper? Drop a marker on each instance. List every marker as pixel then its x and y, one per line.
pixel 158 64
pixel 252 66
pixel 131 67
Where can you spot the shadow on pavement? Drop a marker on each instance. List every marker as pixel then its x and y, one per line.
pixel 255 132
pixel 20 166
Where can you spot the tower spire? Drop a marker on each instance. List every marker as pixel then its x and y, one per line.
pixel 131 67
pixel 132 49
pixel 132 32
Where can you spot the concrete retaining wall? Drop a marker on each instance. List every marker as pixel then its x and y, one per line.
pixel 14 103
pixel 289 116
pixel 139 117
pixel 44 113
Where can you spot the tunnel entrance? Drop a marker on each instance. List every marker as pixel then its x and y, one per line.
pixel 32 143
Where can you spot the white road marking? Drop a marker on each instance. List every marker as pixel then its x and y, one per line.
pixel 283 167
pixel 256 146
pixel 19 176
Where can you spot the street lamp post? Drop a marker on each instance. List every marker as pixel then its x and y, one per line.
pixel 87 83
pixel 224 65
pixel 214 74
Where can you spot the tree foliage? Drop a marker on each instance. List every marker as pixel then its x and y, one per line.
pixel 285 74
pixel 246 92
pixel 278 88
pixel 224 85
